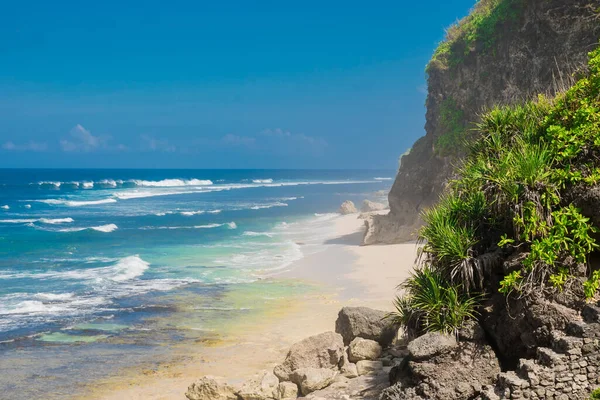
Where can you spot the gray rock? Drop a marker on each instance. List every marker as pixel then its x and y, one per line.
pixel 353 322
pixel 210 388
pixel 591 313
pixel 363 349
pixel 366 367
pixel 311 379
pixel 265 387
pixel 287 390
pixel 349 370
pixel 320 351
pixel 347 207
pixel 369 206
pixel 430 345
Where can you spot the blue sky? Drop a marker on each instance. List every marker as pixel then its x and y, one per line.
pixel 228 84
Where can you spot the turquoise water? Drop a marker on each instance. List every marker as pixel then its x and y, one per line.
pixel 94 260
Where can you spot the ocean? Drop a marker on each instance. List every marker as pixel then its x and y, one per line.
pixel 99 269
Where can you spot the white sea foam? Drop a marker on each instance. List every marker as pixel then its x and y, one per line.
pixel 87 185
pixel 263 206
pixel 107 183
pixel 73 203
pixel 105 228
pixel 262 180
pixel 31 307
pixel 54 296
pixel 191 213
pixel 128 268
pixel 230 225
pixel 214 211
pixel 102 228
pixel 54 221
pixel 383 179
pixel 172 183
pixel 27 206
pixel 17 221
pixel 55 185
pixel 251 233
pixel 5 207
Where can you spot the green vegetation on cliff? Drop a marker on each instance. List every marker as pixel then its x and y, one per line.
pixel 479 28
pixel 452 121
pixel 511 199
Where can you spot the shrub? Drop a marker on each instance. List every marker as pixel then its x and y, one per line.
pixel 432 304
pixel 510 193
pixel 479 27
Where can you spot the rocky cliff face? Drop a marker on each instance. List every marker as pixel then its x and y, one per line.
pixel 507 51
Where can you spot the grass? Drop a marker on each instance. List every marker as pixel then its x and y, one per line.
pixel 432 305
pixel 452 123
pixel 509 196
pixel 479 28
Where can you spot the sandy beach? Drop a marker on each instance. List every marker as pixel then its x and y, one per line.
pixel 343 274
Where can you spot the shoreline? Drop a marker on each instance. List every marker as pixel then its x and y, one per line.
pixel 343 274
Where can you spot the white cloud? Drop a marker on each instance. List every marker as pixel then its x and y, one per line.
pixel 316 143
pixel 28 146
pixel 235 140
pixel 80 139
pixel 152 144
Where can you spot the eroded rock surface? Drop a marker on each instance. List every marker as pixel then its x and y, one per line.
pixel 320 351
pixel 366 323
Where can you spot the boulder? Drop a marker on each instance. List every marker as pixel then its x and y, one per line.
pixel 591 313
pixel 367 387
pixel 265 387
pixel 287 390
pixel 210 388
pixel 353 322
pixel 366 367
pixel 349 370
pixel 311 379
pixel 369 206
pixel 454 373
pixel 363 349
pixel 347 207
pixel 431 344
pixel 320 351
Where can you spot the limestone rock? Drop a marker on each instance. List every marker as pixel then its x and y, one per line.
pixel 353 322
pixel 369 206
pixel 388 228
pixel 363 349
pixel 311 379
pixel 366 367
pixel 349 370
pixel 320 351
pixel 431 344
pixel 287 390
pixel 367 387
pixel 210 388
pixel 265 387
pixel 347 207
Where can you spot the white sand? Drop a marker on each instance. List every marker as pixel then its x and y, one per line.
pixel 347 274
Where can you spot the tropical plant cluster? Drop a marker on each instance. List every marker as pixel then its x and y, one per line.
pixel 479 27
pixel 511 198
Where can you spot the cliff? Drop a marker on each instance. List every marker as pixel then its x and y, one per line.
pixel 505 51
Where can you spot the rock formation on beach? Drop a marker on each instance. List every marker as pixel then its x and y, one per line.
pixel 512 51
pixel 322 366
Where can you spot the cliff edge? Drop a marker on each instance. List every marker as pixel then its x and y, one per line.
pixel 503 52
